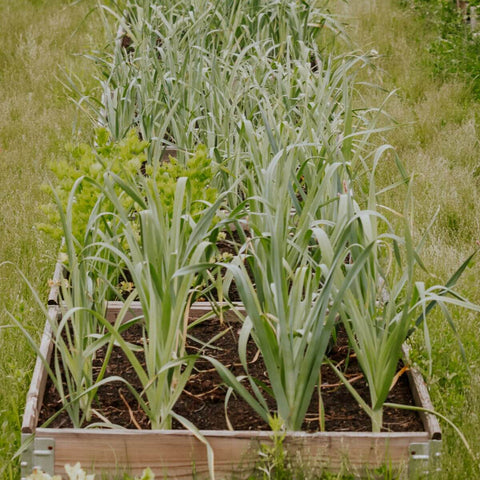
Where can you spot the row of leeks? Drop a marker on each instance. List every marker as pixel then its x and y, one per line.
pixel 299 272
pixel 276 116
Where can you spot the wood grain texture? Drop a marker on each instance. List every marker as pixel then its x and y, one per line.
pixel 173 453
pixel 54 294
pixel 37 385
pixel 39 377
pixel 197 310
pixel 422 398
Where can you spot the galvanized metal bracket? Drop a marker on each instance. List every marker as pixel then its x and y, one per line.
pixel 425 459
pixel 37 453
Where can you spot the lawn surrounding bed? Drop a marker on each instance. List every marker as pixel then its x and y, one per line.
pixel 437 138
pixel 36 120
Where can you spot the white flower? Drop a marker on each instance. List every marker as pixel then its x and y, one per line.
pixel 38 474
pixel 76 473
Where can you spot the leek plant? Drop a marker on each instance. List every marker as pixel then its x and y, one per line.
pixel 186 77
pixel 229 24
pixel 84 290
pixel 294 299
pixel 386 297
pixel 159 244
pixel 77 327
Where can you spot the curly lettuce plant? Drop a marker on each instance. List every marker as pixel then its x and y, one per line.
pixel 125 158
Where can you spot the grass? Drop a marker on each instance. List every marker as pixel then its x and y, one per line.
pixel 36 120
pixel 454 49
pixel 437 140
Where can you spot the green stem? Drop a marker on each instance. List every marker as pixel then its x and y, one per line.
pixel 376 417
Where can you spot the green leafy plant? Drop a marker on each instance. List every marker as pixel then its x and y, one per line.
pixel 386 301
pixel 279 462
pixel 127 159
pixel 454 50
pixel 199 173
pixel 273 458
pixel 166 243
pixel 124 158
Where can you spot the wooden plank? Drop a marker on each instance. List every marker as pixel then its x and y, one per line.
pixel 197 310
pixel 54 294
pixel 360 451
pixel 422 398
pixel 173 453
pixel 39 378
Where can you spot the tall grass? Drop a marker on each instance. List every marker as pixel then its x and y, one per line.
pixel 36 120
pixel 437 140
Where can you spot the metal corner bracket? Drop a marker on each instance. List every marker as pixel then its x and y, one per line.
pixel 425 459
pixel 37 453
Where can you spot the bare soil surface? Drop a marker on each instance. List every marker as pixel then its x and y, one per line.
pixel 202 401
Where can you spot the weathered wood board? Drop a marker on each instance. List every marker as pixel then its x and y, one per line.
pixel 177 454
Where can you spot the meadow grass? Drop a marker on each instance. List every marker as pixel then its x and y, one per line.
pixel 437 139
pixel 36 121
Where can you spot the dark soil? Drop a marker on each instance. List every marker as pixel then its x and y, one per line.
pixel 203 399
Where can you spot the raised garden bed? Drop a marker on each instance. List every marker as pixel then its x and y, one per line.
pixel 178 454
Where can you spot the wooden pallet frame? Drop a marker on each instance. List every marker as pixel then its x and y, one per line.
pixel 177 454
